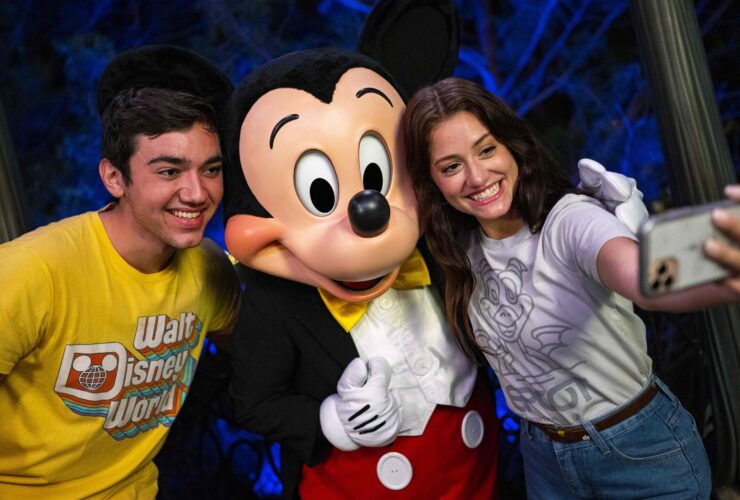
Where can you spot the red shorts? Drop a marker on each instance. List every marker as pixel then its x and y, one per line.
pixel 437 464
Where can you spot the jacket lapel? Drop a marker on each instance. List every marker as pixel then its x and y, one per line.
pixel 311 312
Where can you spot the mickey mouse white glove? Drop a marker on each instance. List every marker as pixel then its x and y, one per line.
pixel 618 192
pixel 363 412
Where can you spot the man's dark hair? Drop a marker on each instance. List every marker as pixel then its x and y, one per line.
pixel 150 112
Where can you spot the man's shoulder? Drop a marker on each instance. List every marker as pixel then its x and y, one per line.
pixel 207 255
pixel 206 249
pixel 209 264
pixel 57 239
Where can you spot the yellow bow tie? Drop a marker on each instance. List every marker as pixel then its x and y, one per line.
pixel 413 273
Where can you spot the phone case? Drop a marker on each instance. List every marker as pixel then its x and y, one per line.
pixel 671 254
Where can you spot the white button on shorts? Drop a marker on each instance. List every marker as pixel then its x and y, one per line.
pixel 472 429
pixel 394 471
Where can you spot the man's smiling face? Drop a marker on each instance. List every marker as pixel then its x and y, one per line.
pixel 176 185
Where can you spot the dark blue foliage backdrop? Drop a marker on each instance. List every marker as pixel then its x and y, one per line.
pixel 570 66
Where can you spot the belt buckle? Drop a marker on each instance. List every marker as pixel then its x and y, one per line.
pixel 573 435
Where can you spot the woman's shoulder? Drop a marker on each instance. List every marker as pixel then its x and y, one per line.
pixel 576 207
pixel 574 201
pixel 577 220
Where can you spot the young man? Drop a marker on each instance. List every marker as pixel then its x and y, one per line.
pixel 103 315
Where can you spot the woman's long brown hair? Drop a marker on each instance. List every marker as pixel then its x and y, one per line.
pixel 542 182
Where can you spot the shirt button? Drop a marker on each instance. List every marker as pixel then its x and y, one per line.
pixel 386 302
pixel 422 363
pixel 472 429
pixel 394 471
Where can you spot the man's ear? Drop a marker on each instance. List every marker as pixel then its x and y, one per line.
pixel 112 178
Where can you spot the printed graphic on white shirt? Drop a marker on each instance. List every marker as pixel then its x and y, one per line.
pixel 522 354
pixel 133 394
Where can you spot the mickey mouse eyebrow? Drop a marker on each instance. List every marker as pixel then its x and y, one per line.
pixel 283 121
pixel 371 90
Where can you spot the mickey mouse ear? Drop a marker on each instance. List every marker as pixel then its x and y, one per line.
pixel 166 67
pixel 415 40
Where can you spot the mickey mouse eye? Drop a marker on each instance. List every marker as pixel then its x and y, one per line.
pixel 316 183
pixel 375 164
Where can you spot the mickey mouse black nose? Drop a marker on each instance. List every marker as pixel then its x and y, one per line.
pixel 369 213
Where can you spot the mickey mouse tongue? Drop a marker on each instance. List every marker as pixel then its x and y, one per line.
pixel 359 286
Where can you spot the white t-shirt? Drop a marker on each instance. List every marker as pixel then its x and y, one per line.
pixel 565 348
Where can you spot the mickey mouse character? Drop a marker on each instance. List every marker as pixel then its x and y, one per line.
pixel 342 352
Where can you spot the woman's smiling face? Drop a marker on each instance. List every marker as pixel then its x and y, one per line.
pixel 476 173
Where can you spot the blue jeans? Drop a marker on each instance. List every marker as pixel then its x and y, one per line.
pixel 655 453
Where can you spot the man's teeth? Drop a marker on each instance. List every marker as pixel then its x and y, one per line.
pixel 484 195
pixel 185 215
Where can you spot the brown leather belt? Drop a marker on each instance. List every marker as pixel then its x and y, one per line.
pixel 576 433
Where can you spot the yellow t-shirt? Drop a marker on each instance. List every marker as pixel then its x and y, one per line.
pixel 98 358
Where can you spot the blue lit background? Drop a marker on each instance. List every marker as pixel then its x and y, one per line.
pixel 570 66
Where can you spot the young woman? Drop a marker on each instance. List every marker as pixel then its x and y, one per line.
pixel 542 280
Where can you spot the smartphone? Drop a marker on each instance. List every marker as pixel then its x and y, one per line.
pixel 671 248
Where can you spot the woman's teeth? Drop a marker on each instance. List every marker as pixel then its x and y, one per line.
pixel 484 195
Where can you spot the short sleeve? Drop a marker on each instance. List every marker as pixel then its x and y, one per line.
pixel 25 303
pixel 575 231
pixel 224 288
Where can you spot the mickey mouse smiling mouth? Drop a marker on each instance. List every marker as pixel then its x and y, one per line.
pixel 360 286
